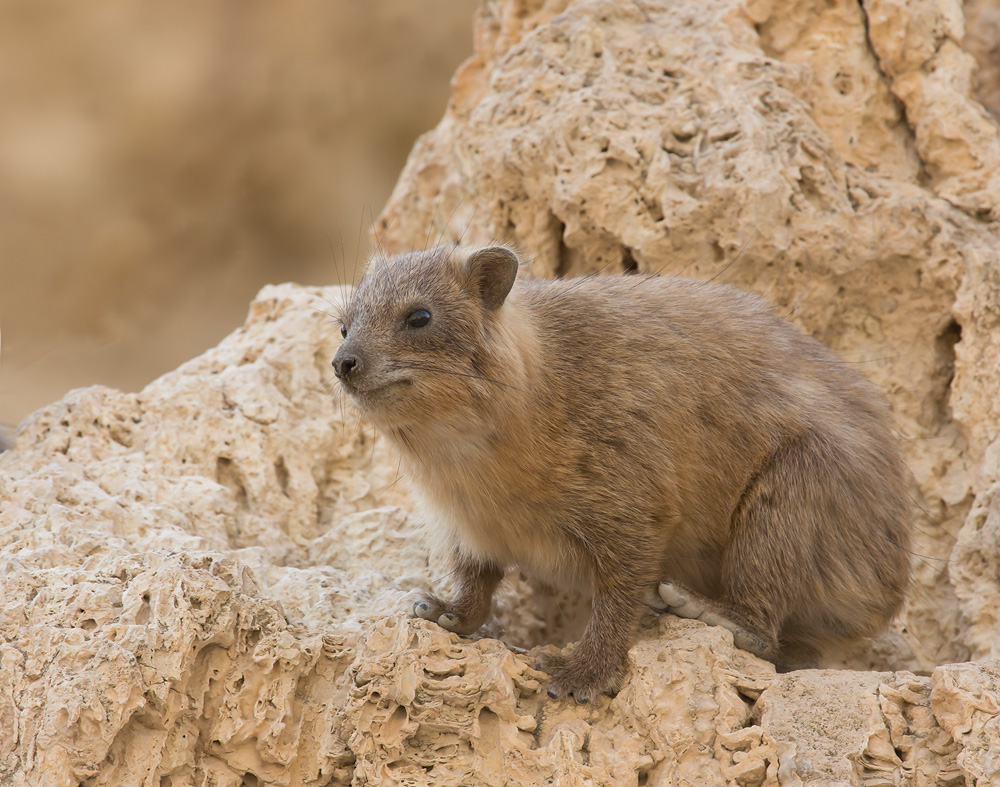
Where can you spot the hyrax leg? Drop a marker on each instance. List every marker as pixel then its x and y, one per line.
pixel 687 604
pixel 796 512
pixel 769 576
pixel 476 582
pixel 599 662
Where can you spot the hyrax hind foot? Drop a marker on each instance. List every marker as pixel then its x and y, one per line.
pixel 686 603
pixel 584 682
pixel 447 616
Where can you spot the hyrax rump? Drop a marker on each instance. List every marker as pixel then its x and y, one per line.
pixel 625 431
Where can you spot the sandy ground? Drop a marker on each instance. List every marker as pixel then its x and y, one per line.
pixel 159 165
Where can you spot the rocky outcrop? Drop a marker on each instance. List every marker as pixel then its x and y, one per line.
pixel 207 582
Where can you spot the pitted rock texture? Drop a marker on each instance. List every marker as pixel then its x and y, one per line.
pixel 207 582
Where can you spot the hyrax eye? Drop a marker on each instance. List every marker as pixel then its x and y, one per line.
pixel 343 331
pixel 418 318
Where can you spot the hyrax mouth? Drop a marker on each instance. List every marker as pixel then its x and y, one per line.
pixel 363 392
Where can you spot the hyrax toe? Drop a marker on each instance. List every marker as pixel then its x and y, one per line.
pixel 428 607
pixel 432 608
pixel 452 622
pixel 569 678
pixel 681 602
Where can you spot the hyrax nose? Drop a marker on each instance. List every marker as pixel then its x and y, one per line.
pixel 345 366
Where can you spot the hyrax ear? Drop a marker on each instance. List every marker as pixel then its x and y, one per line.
pixel 491 273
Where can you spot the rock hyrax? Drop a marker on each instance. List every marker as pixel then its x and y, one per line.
pixel 626 431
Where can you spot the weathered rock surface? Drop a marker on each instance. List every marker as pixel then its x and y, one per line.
pixel 207 582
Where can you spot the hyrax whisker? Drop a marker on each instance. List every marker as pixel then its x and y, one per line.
pixel 343 256
pixel 450 217
pixel 395 480
pixel 340 268
pixel 357 251
pixel 403 437
pixel 371 456
pixel 380 236
pixel 428 368
pixel 475 209
pixel 325 313
pixel 338 308
pixel 739 254
pixel 579 281
pixel 430 226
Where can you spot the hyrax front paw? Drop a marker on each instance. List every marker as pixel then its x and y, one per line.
pixel 571 676
pixel 430 607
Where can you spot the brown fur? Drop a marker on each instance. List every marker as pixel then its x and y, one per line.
pixel 617 431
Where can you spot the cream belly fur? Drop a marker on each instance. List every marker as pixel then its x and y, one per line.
pixel 507 531
pixel 627 431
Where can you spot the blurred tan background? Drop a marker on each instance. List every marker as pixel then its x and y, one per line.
pixel 159 163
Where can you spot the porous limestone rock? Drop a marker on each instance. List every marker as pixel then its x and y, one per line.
pixel 207 582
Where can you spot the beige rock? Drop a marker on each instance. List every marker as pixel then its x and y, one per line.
pixel 208 582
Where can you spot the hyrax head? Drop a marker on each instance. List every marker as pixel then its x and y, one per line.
pixel 417 333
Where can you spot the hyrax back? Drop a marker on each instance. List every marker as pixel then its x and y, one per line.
pixel 626 431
